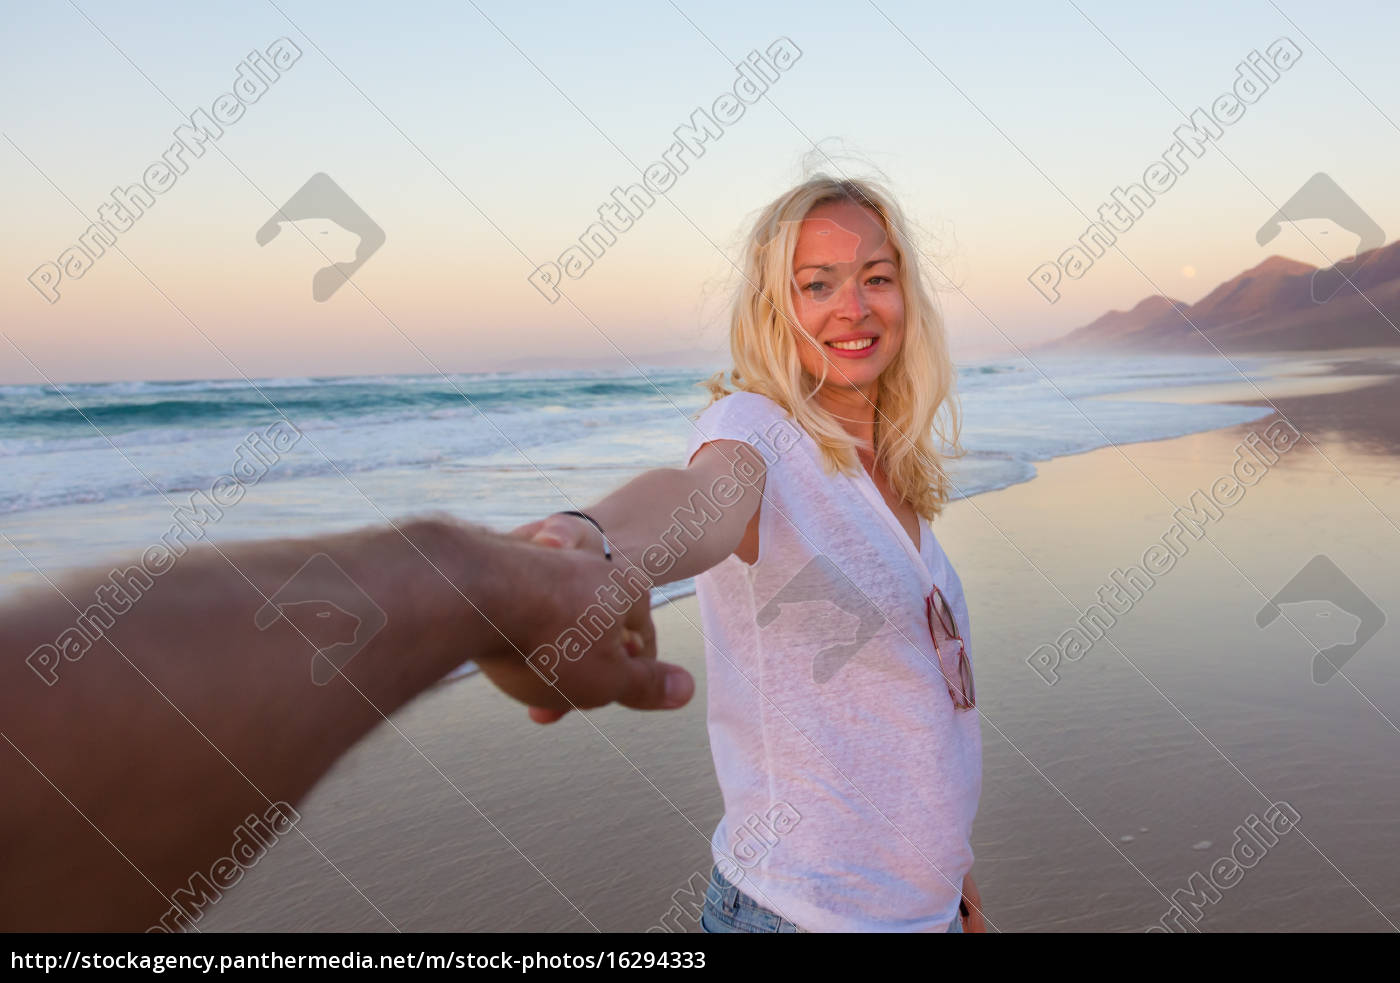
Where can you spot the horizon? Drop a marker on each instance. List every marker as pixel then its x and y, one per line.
pixel 718 360
pixel 520 372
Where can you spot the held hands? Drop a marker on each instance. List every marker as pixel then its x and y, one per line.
pixel 621 666
pixel 564 532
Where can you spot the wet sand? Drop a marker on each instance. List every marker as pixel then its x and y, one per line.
pixel 1104 793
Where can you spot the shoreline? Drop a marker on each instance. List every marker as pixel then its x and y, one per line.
pixel 1289 376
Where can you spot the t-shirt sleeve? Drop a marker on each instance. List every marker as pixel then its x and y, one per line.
pixel 739 416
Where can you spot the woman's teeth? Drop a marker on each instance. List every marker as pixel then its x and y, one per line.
pixel 852 346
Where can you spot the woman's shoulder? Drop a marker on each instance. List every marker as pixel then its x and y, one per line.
pixel 746 416
pixel 743 406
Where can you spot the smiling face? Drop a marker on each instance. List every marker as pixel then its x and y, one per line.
pixel 848 299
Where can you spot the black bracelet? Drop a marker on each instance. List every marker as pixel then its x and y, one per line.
pixel 607 549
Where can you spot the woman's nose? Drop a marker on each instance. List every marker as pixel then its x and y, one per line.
pixel 850 301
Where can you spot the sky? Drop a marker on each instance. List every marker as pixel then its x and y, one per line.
pixel 482 137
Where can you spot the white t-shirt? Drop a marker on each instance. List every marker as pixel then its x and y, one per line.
pixel 850 782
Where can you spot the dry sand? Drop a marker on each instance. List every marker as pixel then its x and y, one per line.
pixel 1103 794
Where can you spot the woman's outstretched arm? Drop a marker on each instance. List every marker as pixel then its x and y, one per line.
pixel 667 524
pixel 670 523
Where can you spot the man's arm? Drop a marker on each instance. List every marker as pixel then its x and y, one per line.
pixel 204 703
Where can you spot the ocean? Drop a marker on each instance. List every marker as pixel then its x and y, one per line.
pixel 97 470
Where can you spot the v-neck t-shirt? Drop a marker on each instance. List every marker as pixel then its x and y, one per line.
pixel 850 781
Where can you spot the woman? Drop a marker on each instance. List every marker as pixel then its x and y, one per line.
pixel 841 707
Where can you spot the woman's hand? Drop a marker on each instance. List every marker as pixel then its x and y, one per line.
pixel 972 901
pixel 564 531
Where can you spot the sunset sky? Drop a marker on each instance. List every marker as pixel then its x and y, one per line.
pixel 482 138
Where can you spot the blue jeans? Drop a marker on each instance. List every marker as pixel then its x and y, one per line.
pixel 727 909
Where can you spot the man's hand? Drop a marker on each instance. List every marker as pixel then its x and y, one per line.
pixel 565 576
pixel 973 902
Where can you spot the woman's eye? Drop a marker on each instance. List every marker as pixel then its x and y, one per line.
pixel 816 286
pixel 878 281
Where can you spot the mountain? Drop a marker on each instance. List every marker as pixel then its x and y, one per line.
pixel 1279 305
pixel 1117 326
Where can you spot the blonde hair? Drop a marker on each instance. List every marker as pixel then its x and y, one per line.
pixel 917 392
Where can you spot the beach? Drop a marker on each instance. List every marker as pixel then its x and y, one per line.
pixel 312 309
pixel 1114 782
